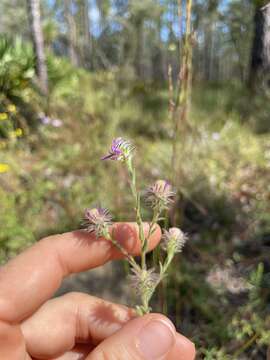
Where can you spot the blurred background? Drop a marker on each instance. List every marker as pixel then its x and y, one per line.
pixel 189 83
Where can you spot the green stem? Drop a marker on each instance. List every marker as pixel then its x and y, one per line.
pixel 153 222
pixel 137 199
pixel 144 308
pixel 163 271
pixel 155 218
pixel 245 346
pixel 166 265
pixel 130 258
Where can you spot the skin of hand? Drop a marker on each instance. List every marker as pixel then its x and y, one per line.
pixel 77 326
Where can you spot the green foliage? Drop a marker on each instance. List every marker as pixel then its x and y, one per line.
pixel 17 86
pixel 251 324
pixel 14 234
pixel 50 175
pixel 224 187
pixel 60 73
pixel 10 128
pixel 146 9
pixel 16 66
pixel 215 354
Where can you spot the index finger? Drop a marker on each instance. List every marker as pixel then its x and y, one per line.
pixel 31 278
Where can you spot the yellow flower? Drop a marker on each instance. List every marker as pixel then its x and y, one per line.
pixel 3 116
pixel 18 132
pixel 11 108
pixel 4 168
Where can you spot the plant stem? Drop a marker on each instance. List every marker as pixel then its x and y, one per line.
pixel 137 199
pixel 130 258
pixel 144 308
pixel 245 346
pixel 163 271
pixel 165 266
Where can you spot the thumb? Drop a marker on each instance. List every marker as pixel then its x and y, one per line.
pixel 150 337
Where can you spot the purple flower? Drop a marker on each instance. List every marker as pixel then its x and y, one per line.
pixel 173 240
pixel 160 194
pixel 45 120
pixel 120 150
pixel 97 220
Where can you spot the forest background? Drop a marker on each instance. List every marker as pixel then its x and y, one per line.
pixel 189 83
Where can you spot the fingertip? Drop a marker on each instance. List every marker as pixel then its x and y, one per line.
pixel 156 338
pixel 184 349
pixel 162 318
pixel 151 336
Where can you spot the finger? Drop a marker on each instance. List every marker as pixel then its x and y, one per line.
pixel 33 276
pixel 74 318
pixel 79 352
pixel 12 344
pixel 149 337
pixel 183 349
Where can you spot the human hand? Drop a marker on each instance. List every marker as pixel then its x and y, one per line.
pixel 78 326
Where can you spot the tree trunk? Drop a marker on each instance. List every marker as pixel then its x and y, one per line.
pixel 71 32
pixel 38 42
pixel 260 55
pixel 157 56
pixel 139 49
pixel 87 35
pixel 139 61
pixel 180 22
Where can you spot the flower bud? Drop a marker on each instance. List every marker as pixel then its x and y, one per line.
pixel 97 220
pixel 144 281
pixel 160 195
pixel 173 240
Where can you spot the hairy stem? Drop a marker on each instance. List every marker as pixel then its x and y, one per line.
pixel 137 199
pixel 163 271
pixel 128 257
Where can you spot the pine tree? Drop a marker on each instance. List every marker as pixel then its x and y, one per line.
pixel 38 42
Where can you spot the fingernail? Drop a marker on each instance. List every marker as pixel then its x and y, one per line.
pixel 156 339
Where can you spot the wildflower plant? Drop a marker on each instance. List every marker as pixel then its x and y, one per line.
pixel 158 197
pixel 8 129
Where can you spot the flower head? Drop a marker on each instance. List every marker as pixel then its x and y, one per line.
pixel 97 220
pixel 144 281
pixel 160 194
pixel 120 150
pixel 173 240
